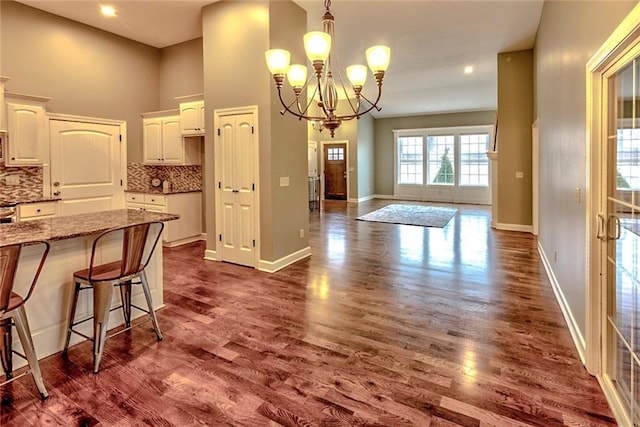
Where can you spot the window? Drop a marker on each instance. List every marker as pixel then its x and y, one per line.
pixel 410 156
pixel 474 164
pixel 441 155
pixel 335 153
pixel 628 159
pixel 443 164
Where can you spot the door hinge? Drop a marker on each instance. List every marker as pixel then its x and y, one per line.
pixel 120 138
pixel 253 187
pixel 254 243
pixel 220 237
pixel 219 184
pixel 120 183
pixel 218 131
pixel 251 130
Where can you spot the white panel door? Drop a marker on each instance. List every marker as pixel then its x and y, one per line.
pixel 237 178
pixel 86 166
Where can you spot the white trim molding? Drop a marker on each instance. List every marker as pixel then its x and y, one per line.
pixel 273 266
pixel 514 227
pixel 574 329
pixel 210 255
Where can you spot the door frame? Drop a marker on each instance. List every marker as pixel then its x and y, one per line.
pixel 253 110
pixel 122 124
pixel 624 37
pixel 346 159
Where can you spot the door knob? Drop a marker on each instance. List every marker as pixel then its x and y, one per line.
pixel 56 193
pixel 56 184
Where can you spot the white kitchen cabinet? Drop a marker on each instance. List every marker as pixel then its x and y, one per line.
pixel 33 211
pixel 26 139
pixel 188 206
pixel 3 116
pixel 192 118
pixel 162 142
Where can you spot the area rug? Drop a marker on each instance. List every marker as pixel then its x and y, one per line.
pixel 425 216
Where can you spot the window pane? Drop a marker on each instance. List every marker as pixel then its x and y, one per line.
pixel 410 160
pixel 441 159
pixel 474 164
pixel 628 158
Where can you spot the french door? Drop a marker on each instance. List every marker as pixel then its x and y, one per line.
pixel 618 230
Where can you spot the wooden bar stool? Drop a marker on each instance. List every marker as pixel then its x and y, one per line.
pixel 12 312
pixel 138 243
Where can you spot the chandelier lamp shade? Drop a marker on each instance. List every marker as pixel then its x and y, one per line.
pixel 324 86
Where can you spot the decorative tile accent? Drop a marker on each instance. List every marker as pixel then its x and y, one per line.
pixel 29 180
pixel 182 178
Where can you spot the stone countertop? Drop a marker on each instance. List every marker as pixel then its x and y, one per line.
pixel 25 200
pixel 67 227
pixel 159 191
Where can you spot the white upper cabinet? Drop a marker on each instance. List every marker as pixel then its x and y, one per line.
pixel 192 118
pixel 26 142
pixel 162 142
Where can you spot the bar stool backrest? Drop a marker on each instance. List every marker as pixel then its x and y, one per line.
pixel 138 243
pixel 9 258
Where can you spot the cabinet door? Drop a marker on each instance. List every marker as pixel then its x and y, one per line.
pixel 192 118
pixel 172 143
pixel 152 141
pixel 26 143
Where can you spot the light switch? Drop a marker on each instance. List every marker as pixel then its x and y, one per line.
pixel 577 194
pixel 284 181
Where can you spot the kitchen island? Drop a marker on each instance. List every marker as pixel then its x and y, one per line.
pixel 71 238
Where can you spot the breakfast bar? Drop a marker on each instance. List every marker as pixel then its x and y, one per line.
pixel 71 239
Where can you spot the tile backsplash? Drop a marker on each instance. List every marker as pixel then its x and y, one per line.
pixel 182 178
pixel 20 182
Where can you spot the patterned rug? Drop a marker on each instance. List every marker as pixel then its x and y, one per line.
pixel 425 216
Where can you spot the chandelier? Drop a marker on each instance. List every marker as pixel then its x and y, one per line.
pixel 326 86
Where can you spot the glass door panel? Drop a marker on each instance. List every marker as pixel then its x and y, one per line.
pixel 622 243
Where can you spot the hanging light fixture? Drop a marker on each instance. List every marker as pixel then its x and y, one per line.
pixel 326 85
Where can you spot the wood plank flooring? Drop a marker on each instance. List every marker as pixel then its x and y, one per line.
pixel 384 325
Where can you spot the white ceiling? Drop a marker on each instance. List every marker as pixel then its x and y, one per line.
pixel 431 41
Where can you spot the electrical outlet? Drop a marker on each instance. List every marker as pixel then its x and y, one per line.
pixel 284 181
pixel 302 233
pixel 519 175
pixel 555 256
pixel 12 180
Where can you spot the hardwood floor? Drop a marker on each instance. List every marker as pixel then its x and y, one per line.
pixel 383 325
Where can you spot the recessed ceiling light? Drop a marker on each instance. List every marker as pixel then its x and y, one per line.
pixel 107 10
pixel 468 69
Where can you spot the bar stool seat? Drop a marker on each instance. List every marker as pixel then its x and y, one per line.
pixel 13 313
pixel 138 244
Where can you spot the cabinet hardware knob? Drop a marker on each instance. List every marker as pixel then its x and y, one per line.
pixel 56 193
pixel 38 210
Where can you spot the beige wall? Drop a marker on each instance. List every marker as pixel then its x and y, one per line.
pixel 244 80
pixel 515 117
pixel 569 34
pixel 383 128
pixel 181 71
pixel 365 157
pixel 85 71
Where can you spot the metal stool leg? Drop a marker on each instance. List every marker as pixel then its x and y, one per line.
pixel 6 356
pixel 22 327
pixel 125 295
pixel 72 316
pixel 152 313
pixel 101 302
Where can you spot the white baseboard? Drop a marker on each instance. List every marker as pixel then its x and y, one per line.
pixel 182 241
pixel 576 335
pixel 384 196
pixel 514 227
pixel 210 255
pixel 273 266
pixel 366 198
